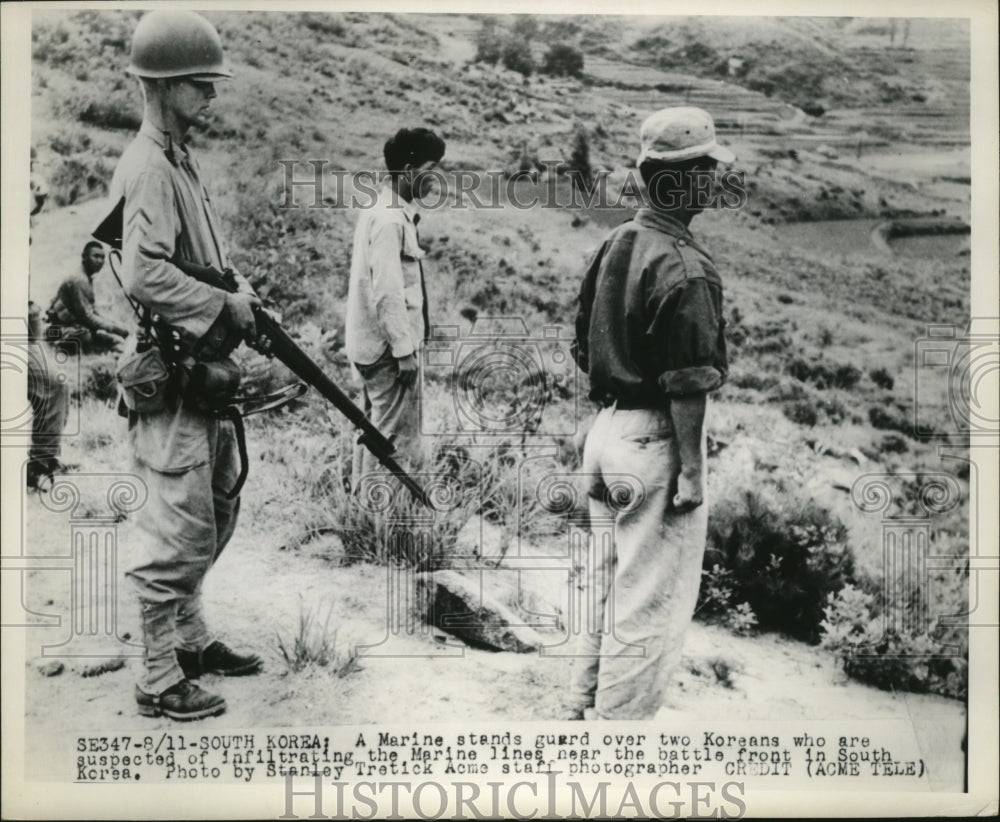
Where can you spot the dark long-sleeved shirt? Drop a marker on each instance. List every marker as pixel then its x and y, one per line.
pixel 650 322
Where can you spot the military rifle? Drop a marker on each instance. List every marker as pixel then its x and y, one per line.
pixel 284 348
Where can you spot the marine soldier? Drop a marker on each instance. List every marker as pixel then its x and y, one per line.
pixel 187 456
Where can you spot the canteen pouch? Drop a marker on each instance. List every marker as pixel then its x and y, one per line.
pixel 143 377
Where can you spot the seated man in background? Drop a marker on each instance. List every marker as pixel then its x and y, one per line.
pixel 72 315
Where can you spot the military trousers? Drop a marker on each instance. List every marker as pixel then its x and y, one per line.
pixel 183 526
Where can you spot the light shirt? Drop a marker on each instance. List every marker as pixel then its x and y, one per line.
pixel 385 301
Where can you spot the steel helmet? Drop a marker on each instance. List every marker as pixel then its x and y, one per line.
pixel 171 43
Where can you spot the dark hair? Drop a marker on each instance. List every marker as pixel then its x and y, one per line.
pixel 412 146
pixel 91 244
pixel 672 182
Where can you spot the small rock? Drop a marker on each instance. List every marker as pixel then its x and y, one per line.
pixel 103 667
pixel 474 607
pixel 51 668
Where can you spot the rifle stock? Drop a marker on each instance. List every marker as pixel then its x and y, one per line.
pixel 301 364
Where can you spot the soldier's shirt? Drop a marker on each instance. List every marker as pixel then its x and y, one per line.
pixel 169 213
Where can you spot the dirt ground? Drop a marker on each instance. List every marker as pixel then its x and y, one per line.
pixel 423 677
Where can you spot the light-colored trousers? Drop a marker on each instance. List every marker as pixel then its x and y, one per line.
pixel 185 524
pixel 641 581
pixel 394 409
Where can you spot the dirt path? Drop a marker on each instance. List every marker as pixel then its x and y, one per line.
pixel 417 678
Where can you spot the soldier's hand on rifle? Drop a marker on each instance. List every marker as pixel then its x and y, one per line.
pixel 407 369
pixel 263 343
pixel 239 307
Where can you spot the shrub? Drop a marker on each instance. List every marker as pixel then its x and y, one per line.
pixel 824 376
pixel 112 111
pixel 882 378
pixel 741 619
pixel 846 376
pixel 79 178
pixel 516 56
pixel 893 444
pixel 801 412
pixel 563 60
pixel 99 381
pixel 525 28
pixel 781 557
pixel 870 652
pixel 887 419
pixel 326 24
pixel 69 141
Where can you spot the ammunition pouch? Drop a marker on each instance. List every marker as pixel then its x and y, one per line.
pixel 144 379
pixel 209 387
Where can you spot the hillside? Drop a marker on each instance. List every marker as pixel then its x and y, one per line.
pixel 821 323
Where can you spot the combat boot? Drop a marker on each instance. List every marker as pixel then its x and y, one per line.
pixel 217 658
pixel 182 701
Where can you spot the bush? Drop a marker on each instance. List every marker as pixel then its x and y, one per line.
pixel 79 178
pixel 516 56
pixel 801 412
pixel 331 25
pixel 113 111
pixel 782 557
pixel 563 60
pixel 70 141
pixel 893 444
pixel 869 652
pixel 882 378
pixel 824 376
pixel 886 419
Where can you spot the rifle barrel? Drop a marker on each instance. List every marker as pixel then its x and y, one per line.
pixel 302 365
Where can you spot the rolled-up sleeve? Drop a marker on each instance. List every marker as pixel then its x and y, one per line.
pixel 388 287
pixel 687 335
pixel 151 226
